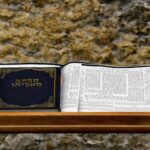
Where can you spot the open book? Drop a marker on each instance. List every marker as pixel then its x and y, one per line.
pixel 75 87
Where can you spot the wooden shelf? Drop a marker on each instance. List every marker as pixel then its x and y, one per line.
pixel 74 122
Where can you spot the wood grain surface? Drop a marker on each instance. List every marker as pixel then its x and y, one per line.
pixel 74 122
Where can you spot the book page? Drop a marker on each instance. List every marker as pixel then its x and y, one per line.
pixel 108 89
pixel 29 65
pixel 70 75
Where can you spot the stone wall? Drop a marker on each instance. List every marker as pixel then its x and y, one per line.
pixel 74 141
pixel 102 31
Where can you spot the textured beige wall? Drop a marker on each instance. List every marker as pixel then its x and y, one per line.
pixel 102 31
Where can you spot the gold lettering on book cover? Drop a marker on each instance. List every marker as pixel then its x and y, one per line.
pixel 32 82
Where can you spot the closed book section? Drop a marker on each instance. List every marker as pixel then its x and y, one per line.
pixel 29 87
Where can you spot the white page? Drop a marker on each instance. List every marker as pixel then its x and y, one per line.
pixel 28 65
pixel 70 75
pixel 108 89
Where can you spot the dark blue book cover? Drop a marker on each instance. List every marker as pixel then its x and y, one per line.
pixel 30 87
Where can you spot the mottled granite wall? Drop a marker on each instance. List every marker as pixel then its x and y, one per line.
pixel 102 31
pixel 75 142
